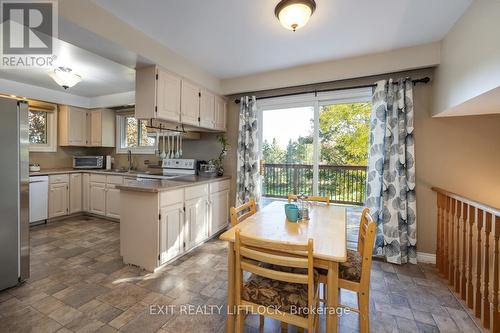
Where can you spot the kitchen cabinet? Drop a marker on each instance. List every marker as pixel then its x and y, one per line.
pixel 207 109
pixel 97 198
pixel 190 103
pixel 196 221
pixel 75 193
pixel 172 222
pixel 220 113
pixel 85 192
pixel 112 201
pixel 72 126
pixel 158 94
pixel 219 211
pixel 171 231
pixel 102 128
pixel 58 199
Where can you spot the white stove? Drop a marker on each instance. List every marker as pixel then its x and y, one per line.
pixel 171 169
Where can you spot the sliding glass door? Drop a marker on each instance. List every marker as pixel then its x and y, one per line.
pixel 316 145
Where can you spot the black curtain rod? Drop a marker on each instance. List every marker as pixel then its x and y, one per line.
pixel 422 80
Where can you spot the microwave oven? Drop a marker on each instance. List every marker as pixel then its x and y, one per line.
pixel 88 162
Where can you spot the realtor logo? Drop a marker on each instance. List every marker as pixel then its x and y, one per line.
pixel 28 28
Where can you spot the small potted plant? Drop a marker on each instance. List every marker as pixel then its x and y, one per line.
pixel 217 162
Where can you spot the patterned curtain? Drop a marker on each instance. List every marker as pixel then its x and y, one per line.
pixel 391 171
pixel 248 177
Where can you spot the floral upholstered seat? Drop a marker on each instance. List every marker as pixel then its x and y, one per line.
pixel 276 294
pixel 349 270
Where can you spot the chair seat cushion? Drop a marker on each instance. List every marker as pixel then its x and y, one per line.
pixel 279 295
pixel 349 270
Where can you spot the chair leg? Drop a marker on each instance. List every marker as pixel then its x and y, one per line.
pixel 364 312
pixel 284 327
pixel 261 321
pixel 240 322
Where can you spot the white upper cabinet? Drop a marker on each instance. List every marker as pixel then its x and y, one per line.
pixel 84 127
pixel 220 113
pixel 207 109
pixel 158 94
pixel 72 126
pixel 102 128
pixel 190 104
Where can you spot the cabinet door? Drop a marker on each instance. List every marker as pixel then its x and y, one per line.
pixel 96 128
pixel 196 221
pixel 190 104
pixel 112 201
pixel 58 200
pixel 168 96
pixel 207 109
pixel 85 192
pixel 171 238
pixel 75 193
pixel 219 211
pixel 77 123
pixel 98 198
pixel 220 114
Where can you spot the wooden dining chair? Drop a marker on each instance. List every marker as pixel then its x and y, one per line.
pixel 242 212
pixel 293 197
pixel 286 286
pixel 354 274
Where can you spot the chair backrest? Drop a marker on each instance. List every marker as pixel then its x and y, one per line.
pixel 293 197
pixel 248 210
pixel 366 241
pixel 252 252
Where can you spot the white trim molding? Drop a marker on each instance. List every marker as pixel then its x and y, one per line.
pixel 426 258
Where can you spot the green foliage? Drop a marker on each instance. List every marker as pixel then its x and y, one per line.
pixel 344 133
pixel 37 127
pixel 273 153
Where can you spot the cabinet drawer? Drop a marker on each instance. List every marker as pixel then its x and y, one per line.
pixel 55 179
pixel 116 180
pixel 127 181
pixel 96 178
pixel 196 191
pixel 171 197
pixel 219 186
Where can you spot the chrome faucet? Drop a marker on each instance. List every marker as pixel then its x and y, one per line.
pixel 129 159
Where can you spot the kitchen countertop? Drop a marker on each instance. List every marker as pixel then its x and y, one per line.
pixel 157 185
pixel 58 171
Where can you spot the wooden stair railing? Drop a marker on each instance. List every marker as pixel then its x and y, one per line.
pixel 467 253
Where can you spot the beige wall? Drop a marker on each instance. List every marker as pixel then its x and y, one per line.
pixel 460 154
pixel 470 61
pixel 414 57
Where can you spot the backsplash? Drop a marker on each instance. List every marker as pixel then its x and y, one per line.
pixel 205 148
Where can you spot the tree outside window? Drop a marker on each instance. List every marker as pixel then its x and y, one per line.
pixel 37 127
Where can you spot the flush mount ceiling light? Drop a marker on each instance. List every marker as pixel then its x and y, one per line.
pixel 65 77
pixel 294 14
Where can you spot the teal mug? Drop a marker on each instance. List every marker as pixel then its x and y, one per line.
pixel 292 212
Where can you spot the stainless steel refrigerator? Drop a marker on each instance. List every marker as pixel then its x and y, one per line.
pixel 14 192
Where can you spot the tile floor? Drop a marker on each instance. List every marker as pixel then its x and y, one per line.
pixel 79 284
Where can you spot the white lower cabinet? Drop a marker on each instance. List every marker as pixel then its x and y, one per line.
pixel 219 211
pixel 112 201
pixel 75 193
pixel 171 232
pixel 58 200
pixel 97 203
pixel 196 221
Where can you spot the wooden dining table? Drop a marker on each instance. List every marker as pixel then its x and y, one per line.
pixel 326 227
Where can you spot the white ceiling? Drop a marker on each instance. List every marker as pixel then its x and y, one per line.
pixel 231 38
pixel 100 76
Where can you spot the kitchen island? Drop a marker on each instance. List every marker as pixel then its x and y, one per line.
pixel 163 219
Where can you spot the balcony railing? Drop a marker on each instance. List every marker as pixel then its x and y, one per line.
pixel 342 183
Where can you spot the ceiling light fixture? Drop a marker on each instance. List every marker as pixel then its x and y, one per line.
pixel 65 77
pixel 294 14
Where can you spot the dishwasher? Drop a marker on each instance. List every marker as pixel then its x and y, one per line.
pixel 39 199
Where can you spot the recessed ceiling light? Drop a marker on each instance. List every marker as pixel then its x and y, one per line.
pixel 65 77
pixel 294 14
